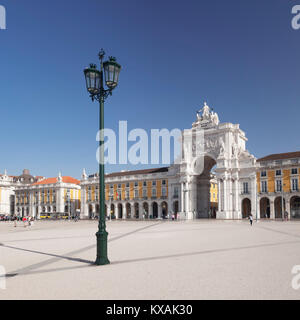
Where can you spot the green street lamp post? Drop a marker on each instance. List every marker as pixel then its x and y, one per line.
pixel 95 86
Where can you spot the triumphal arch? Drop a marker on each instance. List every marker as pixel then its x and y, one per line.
pixel 219 148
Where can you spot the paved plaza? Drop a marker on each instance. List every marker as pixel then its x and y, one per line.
pixel 151 260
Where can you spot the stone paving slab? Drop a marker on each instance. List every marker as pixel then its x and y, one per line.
pixel 203 259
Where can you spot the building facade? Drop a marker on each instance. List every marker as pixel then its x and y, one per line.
pixel 48 197
pixel 7 194
pixel 140 194
pixel 278 185
pixel 26 195
pixel 215 177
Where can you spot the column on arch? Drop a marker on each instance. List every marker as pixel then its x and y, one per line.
pixel 124 212
pixel 193 199
pixel 117 211
pixel 140 210
pixel 182 198
pixel 272 209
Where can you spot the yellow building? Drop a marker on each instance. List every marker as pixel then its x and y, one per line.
pixel 135 194
pixel 278 185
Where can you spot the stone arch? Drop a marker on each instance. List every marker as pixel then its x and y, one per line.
pixel 295 207
pixel 112 209
pixel 136 210
pixel 120 211
pixel 200 187
pixel 91 213
pixel 154 210
pixel 146 210
pixel 164 209
pixel 128 210
pixel 246 208
pixel 265 208
pixel 215 144
pixel 278 207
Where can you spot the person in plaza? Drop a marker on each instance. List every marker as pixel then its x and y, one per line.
pixel 286 215
pixel 24 221
pixel 15 218
pixel 29 221
pixel 250 219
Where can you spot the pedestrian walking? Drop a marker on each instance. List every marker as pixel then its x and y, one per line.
pixel 250 219
pixel 286 215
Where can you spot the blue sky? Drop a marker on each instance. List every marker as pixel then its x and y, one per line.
pixel 240 56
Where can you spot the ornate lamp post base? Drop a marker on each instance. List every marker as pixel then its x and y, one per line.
pixel 102 258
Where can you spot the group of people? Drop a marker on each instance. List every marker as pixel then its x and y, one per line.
pixel 27 221
pixel 286 217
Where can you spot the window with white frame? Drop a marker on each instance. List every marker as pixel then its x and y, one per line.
pixel 144 193
pixel 264 186
pixel 263 174
pixel 278 172
pixel 278 185
pixel 153 192
pixel 136 193
pixel 295 184
pixel 164 191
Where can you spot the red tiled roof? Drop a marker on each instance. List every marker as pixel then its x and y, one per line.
pixel 281 156
pixel 65 179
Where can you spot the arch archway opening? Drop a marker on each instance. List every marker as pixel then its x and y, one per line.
pixel 164 210
pixel 112 211
pixel 279 207
pixel 295 207
pixel 120 211
pixel 136 211
pixel 246 208
pixel 128 210
pixel 264 208
pixel 154 210
pixel 206 202
pixel 145 210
